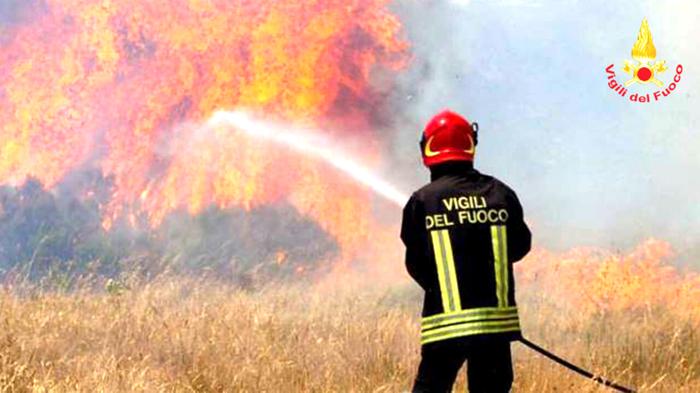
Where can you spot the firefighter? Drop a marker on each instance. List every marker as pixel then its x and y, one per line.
pixel 463 231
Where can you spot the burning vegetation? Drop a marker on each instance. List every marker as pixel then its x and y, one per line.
pixel 113 90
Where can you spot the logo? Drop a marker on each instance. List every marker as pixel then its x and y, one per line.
pixel 644 70
pixel 428 151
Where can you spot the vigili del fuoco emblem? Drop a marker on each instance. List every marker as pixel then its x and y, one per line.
pixel 644 69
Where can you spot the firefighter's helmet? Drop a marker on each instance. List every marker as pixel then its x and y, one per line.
pixel 448 137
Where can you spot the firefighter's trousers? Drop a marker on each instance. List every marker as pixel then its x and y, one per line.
pixel 489 366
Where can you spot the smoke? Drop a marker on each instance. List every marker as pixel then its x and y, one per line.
pixel 589 168
pixel 16 11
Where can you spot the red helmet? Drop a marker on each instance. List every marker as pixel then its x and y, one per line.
pixel 448 137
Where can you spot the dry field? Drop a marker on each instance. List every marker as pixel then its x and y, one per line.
pixel 195 335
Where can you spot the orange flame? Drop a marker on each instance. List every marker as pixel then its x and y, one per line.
pixel 109 83
pixel 599 281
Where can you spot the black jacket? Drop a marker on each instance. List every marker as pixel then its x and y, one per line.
pixel 462 233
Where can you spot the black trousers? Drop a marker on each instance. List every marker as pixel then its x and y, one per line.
pixel 489 366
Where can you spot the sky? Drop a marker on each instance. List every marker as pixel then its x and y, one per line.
pixel 591 168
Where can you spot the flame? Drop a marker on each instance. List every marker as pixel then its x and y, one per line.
pixel 644 49
pixel 599 281
pixel 114 85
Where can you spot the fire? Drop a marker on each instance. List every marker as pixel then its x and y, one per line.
pixel 599 281
pixel 115 84
pixel 644 49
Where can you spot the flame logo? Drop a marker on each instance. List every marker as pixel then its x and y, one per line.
pixel 644 49
pixel 644 52
pixel 428 152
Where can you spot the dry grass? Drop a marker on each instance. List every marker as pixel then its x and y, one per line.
pixel 182 335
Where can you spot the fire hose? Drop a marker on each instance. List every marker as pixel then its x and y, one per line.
pixel 575 368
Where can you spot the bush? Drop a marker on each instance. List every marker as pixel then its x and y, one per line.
pixel 44 232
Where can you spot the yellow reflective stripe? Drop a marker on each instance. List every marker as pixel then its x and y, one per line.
pixel 447 276
pixel 499 241
pixel 471 326
pixel 470 311
pixel 498 263
pixel 470 315
pixel 452 271
pixel 469 329
pixel 504 259
pixel 440 263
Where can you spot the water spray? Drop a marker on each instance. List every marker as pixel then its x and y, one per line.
pixel 309 143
